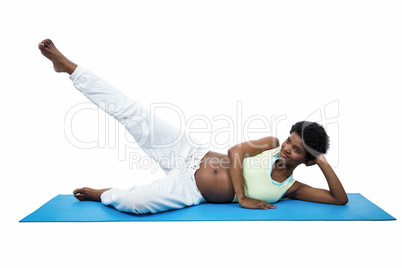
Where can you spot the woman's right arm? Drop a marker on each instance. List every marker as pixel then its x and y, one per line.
pixel 236 156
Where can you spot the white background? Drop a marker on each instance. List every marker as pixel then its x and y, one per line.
pixel 288 58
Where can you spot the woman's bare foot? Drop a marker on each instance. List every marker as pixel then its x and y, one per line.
pixel 89 194
pixel 60 63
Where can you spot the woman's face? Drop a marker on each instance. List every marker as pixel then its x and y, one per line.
pixel 293 152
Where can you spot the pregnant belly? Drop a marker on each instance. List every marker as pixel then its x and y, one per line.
pixel 213 178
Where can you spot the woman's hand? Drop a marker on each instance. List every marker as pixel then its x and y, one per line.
pixel 336 194
pixel 254 203
pixel 320 159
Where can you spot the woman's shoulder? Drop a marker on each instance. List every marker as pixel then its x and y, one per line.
pixel 272 152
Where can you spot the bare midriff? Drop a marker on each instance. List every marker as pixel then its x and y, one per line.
pixel 213 178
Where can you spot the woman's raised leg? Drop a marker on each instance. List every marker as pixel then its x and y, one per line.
pixel 163 142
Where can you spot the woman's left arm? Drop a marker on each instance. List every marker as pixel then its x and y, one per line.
pixel 336 194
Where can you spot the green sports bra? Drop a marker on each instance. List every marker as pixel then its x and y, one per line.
pixel 258 183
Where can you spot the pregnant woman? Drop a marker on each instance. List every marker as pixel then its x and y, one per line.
pixel 256 174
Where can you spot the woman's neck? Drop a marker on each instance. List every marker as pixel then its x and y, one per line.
pixel 281 167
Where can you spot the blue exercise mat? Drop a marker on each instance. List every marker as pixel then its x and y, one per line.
pixel 66 208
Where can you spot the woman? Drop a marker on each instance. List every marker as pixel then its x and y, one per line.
pixel 255 174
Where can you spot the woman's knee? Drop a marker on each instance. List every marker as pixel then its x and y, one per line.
pixel 132 201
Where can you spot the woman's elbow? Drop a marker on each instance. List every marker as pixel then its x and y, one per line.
pixel 342 201
pixel 275 142
pixel 232 152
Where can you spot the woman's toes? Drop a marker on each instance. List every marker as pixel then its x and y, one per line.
pixel 79 193
pixel 47 42
pixel 90 194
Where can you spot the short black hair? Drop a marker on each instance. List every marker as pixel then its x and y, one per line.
pixel 315 138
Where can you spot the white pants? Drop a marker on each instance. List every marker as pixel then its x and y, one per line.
pixel 167 145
